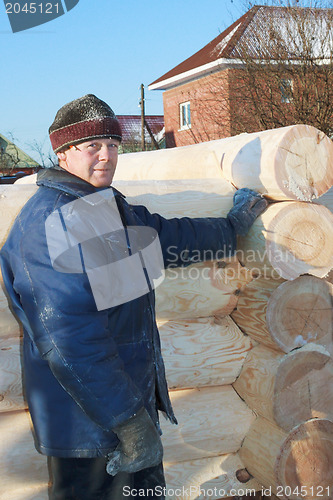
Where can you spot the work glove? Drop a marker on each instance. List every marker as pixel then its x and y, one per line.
pixel 140 445
pixel 248 205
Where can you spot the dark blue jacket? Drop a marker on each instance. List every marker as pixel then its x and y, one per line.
pixel 85 370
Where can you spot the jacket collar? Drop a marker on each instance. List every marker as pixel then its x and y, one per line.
pixel 58 178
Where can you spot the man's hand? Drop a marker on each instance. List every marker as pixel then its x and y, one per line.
pixel 248 205
pixel 140 445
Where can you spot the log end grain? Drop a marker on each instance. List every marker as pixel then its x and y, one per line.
pixel 306 460
pixel 303 387
pixel 299 239
pixel 303 163
pixel 299 312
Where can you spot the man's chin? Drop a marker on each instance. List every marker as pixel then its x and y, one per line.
pixel 101 178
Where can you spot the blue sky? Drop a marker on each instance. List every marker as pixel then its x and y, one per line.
pixel 105 47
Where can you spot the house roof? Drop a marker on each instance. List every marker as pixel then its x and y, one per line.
pixel 12 154
pixel 249 31
pixel 131 126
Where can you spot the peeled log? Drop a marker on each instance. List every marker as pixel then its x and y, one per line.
pixel 287 163
pixel 9 326
pixel 171 198
pixel 209 478
pixel 187 162
pixel 288 389
pixel 11 394
pixel 23 471
pixel 204 289
pixel 286 315
pixel 180 198
pixel 327 201
pixel 288 461
pixel 294 162
pixel 289 239
pixel 201 352
pixel 250 313
pixel 212 421
pixel 12 199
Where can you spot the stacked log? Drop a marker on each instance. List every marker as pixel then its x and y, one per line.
pixel 285 315
pixel 247 341
pixel 286 163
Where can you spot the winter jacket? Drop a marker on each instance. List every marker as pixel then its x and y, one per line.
pixel 86 370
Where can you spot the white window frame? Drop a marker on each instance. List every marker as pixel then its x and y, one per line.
pixel 286 87
pixel 185 115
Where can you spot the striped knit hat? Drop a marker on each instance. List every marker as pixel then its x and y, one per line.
pixel 81 120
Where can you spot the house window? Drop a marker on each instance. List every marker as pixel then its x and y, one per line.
pixel 286 87
pixel 185 115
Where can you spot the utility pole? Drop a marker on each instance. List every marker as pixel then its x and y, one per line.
pixel 142 104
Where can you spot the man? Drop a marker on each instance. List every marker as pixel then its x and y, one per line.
pixel 93 371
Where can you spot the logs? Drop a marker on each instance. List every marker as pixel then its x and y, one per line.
pixel 298 464
pixel 12 199
pixel 190 197
pixel 286 315
pixel 290 239
pixel 209 478
pixel 288 163
pixel 292 162
pixel 23 471
pixel 11 394
pixel 204 289
pixel 288 389
pixel 215 426
pixel 202 352
pixel 9 326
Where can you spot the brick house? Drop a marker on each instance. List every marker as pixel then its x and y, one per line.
pixel 208 95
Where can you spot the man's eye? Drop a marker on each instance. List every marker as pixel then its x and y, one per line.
pixel 92 145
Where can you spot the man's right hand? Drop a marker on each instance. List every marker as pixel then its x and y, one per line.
pixel 248 205
pixel 140 445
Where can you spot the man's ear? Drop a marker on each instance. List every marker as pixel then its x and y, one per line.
pixel 62 156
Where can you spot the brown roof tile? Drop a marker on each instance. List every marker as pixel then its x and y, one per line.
pixel 131 125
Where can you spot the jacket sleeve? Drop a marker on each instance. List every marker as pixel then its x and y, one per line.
pixel 186 240
pixel 70 333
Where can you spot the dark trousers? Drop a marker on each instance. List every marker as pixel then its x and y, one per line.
pixel 87 479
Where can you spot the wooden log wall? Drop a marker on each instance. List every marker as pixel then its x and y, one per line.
pixel 247 341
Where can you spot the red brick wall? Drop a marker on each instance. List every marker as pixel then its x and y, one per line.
pixel 210 114
pixel 222 106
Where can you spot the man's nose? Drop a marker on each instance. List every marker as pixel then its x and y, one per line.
pixel 105 153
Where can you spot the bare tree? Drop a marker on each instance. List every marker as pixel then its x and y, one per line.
pixel 282 75
pixel 46 160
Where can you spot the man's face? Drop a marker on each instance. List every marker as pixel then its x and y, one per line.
pixel 94 161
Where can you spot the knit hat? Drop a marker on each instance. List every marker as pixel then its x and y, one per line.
pixel 81 120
